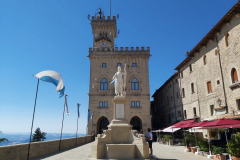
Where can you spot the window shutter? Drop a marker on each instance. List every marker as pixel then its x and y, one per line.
pixel 209 87
pixel 235 77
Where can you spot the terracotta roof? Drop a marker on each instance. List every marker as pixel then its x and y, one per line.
pixel 211 34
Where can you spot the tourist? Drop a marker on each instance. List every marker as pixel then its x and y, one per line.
pixel 149 138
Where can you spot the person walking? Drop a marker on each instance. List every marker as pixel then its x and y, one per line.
pixel 149 138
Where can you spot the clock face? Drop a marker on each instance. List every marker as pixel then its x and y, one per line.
pixel 103 44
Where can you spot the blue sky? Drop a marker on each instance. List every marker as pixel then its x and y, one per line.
pixel 55 35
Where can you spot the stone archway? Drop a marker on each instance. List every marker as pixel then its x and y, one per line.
pixel 102 124
pixel 136 123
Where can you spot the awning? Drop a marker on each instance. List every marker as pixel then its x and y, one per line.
pixel 188 125
pixel 170 129
pixel 196 129
pixel 222 126
pixel 221 122
pixel 174 127
pixel 183 122
pixel 200 123
pixel 157 130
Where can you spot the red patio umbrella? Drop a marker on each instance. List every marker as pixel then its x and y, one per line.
pixel 224 126
pixel 222 122
pixel 183 122
pixel 189 125
pixel 200 124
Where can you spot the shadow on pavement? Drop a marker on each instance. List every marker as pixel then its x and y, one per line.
pixel 156 158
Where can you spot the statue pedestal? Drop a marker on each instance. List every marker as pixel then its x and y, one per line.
pixel 119 141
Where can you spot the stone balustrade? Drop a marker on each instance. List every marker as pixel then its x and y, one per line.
pixel 38 149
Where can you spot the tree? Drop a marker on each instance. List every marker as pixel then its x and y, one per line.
pixel 3 139
pixel 39 136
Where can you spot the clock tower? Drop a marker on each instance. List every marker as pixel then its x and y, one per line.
pixel 104 31
pixel 104 60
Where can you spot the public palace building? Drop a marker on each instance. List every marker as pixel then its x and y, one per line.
pixel 104 59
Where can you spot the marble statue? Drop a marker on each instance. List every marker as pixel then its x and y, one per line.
pixel 119 80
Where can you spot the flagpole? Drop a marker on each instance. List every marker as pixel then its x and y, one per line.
pixel 62 125
pixel 32 120
pixel 76 132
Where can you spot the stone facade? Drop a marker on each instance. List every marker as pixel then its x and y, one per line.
pixel 167 108
pixel 206 75
pixel 104 60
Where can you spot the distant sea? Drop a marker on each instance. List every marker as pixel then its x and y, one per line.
pixel 18 138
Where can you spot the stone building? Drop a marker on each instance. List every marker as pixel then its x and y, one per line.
pixel 167 103
pixel 105 58
pixel 208 79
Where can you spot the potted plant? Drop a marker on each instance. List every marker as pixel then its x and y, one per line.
pixel 218 153
pixel 192 143
pixel 168 139
pixel 203 146
pixel 233 147
pixel 161 138
pixel 186 143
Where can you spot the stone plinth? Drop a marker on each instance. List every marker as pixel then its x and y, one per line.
pixel 119 141
pixel 125 151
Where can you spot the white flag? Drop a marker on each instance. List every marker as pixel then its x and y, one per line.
pixel 54 78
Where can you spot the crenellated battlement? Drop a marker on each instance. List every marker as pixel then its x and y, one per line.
pixel 116 49
pixel 108 18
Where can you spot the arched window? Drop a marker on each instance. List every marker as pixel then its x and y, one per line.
pixel 103 84
pixel 205 60
pixel 135 84
pixel 234 75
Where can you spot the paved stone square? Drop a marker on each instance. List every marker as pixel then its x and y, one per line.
pixel 160 151
pixel 165 152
